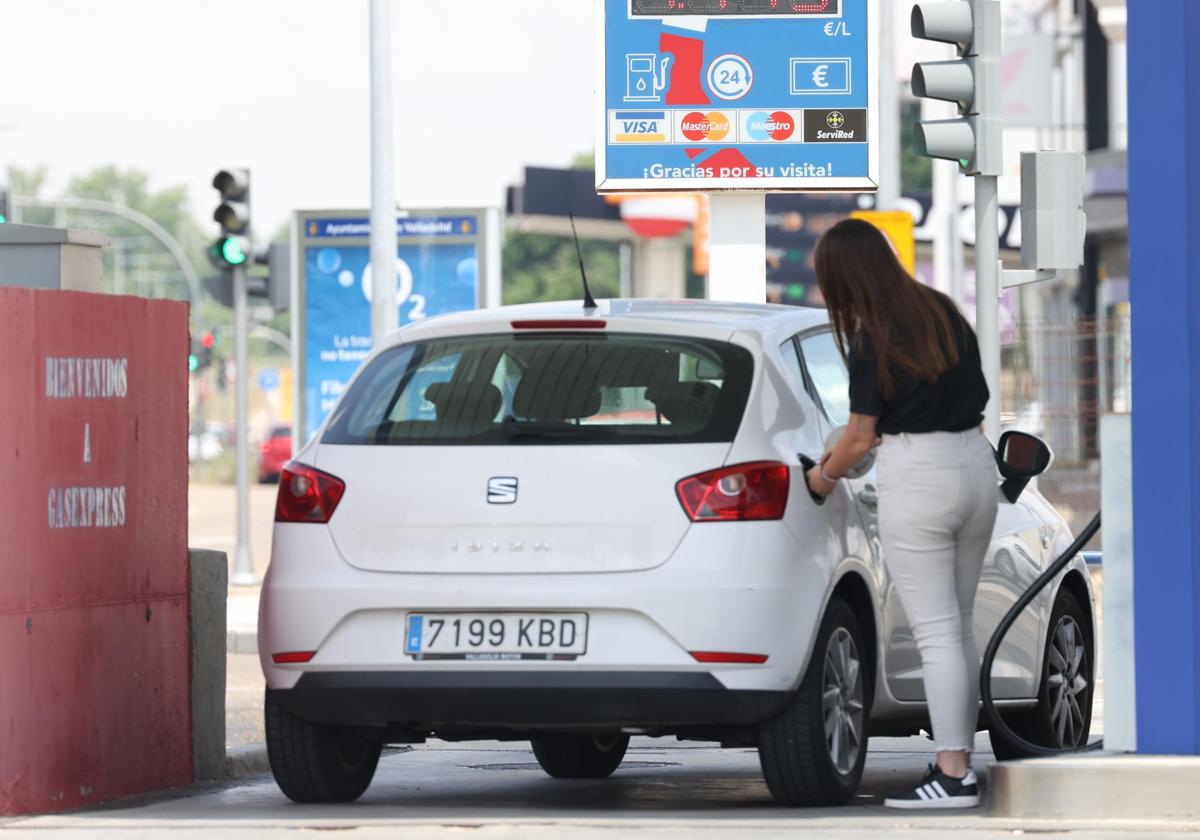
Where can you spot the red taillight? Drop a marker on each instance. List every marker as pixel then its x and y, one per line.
pixel 307 494
pixel 293 657
pixel 560 324
pixel 736 494
pixel 734 658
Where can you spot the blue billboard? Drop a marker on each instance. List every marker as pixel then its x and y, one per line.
pixel 762 95
pixel 437 271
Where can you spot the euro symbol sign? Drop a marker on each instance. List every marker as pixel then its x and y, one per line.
pixel 830 29
pixel 819 76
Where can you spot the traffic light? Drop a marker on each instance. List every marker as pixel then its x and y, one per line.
pixel 971 81
pixel 277 289
pixel 4 211
pixel 201 355
pixel 232 248
pixel 227 252
pixel 233 213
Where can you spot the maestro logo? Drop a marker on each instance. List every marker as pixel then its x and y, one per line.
pixel 713 126
pixel 835 119
pixel 779 125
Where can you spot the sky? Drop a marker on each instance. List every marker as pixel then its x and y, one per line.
pixel 182 89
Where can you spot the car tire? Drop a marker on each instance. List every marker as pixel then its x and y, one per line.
pixel 569 756
pixel 1063 716
pixel 801 764
pixel 318 763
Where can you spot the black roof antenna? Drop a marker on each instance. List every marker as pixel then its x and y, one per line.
pixel 589 302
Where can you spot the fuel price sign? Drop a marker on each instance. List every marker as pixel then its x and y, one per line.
pixel 736 8
pixel 755 95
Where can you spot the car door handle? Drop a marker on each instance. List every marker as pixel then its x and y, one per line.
pixel 869 499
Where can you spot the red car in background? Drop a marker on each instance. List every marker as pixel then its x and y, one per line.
pixel 273 453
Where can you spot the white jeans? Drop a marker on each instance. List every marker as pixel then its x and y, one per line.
pixel 937 506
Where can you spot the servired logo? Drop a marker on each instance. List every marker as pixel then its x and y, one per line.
pixel 778 125
pixel 713 126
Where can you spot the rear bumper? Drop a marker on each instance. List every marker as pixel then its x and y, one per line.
pixel 524 700
pixel 728 590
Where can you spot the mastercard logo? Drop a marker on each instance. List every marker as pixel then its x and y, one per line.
pixel 714 126
pixel 779 125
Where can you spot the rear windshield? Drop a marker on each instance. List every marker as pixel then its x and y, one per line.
pixel 547 389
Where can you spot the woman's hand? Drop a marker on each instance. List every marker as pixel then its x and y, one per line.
pixel 817 482
pixel 859 438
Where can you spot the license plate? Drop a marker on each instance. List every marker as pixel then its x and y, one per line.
pixel 496 636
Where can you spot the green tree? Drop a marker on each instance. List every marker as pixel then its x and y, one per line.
pixel 31 182
pixel 539 267
pixel 135 262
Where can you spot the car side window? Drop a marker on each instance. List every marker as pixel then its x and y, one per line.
pixel 827 371
pixel 791 360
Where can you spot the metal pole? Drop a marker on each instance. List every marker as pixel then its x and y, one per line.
pixel 737 263
pixel 243 567
pixel 888 195
pixel 958 260
pixel 384 315
pixel 625 268
pixel 987 292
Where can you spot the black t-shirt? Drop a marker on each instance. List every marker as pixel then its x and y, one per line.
pixel 953 403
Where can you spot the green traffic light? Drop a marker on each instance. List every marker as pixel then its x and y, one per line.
pixel 3 219
pixel 193 362
pixel 232 251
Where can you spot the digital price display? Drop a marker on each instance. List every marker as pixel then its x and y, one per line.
pixel 735 8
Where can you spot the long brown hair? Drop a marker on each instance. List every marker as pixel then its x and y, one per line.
pixel 869 292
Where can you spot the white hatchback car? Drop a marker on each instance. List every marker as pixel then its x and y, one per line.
pixel 569 527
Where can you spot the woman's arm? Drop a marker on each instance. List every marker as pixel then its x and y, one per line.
pixel 859 438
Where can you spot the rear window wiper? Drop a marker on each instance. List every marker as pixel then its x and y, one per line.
pixel 514 428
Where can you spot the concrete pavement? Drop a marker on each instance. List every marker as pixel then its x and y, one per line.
pixel 244 686
pixel 212 523
pixel 664 790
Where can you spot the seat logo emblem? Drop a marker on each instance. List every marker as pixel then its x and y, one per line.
pixel 502 490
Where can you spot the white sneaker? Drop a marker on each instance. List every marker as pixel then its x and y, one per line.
pixel 937 790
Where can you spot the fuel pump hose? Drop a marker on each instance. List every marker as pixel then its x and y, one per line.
pixel 985 683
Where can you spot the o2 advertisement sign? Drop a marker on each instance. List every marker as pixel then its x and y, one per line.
pixel 758 95
pixel 437 271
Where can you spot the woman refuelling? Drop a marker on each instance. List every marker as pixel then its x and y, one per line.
pixel 917 385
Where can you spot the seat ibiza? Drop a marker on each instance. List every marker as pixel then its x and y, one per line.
pixel 571 526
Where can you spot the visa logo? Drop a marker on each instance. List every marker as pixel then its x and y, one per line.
pixel 639 127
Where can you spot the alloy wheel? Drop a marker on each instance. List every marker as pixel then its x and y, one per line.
pixel 1068 683
pixel 843 701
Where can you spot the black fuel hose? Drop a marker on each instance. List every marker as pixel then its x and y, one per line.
pixel 985 676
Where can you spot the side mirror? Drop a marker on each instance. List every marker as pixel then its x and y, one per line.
pixel 1021 457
